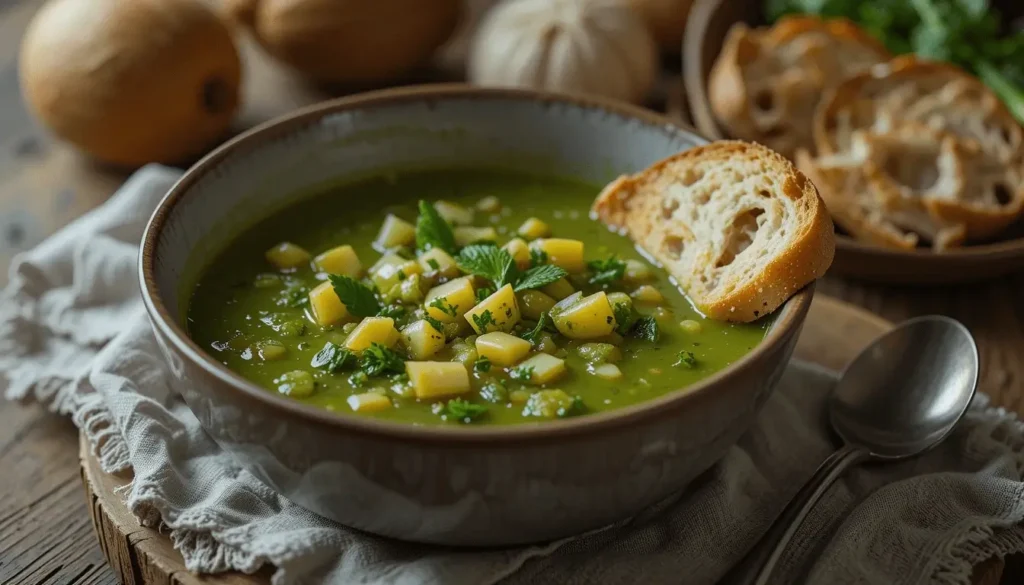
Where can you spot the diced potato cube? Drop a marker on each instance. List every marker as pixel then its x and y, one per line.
pixel 690 326
pixel 327 308
pixel 599 353
pixel 549 404
pixel 340 260
pixel 489 204
pixel 464 352
pixel 533 302
pixel 287 256
pixel 648 294
pixel 454 213
pixel 585 318
pixel 395 232
pixel 607 371
pixel 465 236
pixel 437 379
pixel 369 402
pixel 559 289
pixel 561 252
pixel 372 330
pixel 498 312
pixel 518 396
pixel 411 290
pixel 543 368
pixel 520 252
pixel 422 340
pixel 501 348
pixel 436 260
pixel 392 269
pixel 297 384
pixel 450 301
pixel 637 271
pixel 271 350
pixel 534 228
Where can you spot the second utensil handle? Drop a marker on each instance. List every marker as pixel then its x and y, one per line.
pixel 796 510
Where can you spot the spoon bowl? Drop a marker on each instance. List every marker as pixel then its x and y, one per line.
pixel 906 391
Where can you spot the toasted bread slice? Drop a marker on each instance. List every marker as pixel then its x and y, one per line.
pixel 734 222
pixel 766 83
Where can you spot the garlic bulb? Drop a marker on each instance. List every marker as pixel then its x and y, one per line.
pixel 583 46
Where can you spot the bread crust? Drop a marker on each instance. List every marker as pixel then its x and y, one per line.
pixel 733 99
pixel 633 204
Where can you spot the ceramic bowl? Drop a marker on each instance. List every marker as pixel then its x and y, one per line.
pixel 448 485
pixel 706 29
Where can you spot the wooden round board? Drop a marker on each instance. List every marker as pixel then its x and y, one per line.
pixel 832 335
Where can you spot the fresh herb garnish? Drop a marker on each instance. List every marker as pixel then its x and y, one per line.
pixel 358 298
pixel 463 410
pixel 434 323
pixel 646 328
pixel 538 257
pixel 606 271
pixel 393 311
pixel 623 317
pixel 522 373
pixel 483 292
pixel 539 276
pixel 686 359
pixel 433 264
pixel 575 407
pixel 534 335
pixel 482 365
pixel 483 320
pixel 432 231
pixel 334 358
pixel 378 360
pixel 490 262
pixel 441 304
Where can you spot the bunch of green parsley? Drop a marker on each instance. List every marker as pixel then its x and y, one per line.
pixel 968 33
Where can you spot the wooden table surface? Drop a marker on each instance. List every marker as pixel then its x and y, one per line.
pixel 45 534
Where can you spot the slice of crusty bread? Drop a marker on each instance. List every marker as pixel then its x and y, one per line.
pixel 766 82
pixel 940 151
pixel 734 222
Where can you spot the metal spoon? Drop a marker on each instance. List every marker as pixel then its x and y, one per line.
pixel 901 396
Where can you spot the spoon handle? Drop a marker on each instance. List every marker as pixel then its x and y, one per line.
pixel 789 521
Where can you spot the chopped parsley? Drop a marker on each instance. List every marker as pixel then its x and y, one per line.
pixel 378 360
pixel 463 410
pixel 575 407
pixel 334 358
pixel 393 311
pixel 522 373
pixel 534 335
pixel 483 320
pixel 646 328
pixel 441 304
pixel 483 292
pixel 358 298
pixel 482 365
pixel 623 317
pixel 434 323
pixel 433 264
pixel 686 359
pixel 432 231
pixel 606 271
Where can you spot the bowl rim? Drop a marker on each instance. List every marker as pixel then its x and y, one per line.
pixel 788 321
pixel 699 104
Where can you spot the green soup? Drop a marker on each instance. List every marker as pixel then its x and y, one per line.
pixel 407 330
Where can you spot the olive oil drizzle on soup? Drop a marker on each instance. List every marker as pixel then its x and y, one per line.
pixel 441 326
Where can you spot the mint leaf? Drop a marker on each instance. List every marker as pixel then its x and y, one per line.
pixel 539 276
pixel 646 328
pixel 378 359
pixel 686 359
pixel 432 231
pixel 357 297
pixel 606 271
pixel 538 257
pixel 490 262
pixel 333 358
pixel 463 410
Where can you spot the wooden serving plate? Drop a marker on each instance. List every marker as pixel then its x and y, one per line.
pixel 706 28
pixel 832 335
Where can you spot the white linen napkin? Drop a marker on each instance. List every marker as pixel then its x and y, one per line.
pixel 74 336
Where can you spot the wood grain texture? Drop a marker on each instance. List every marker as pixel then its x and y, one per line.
pixel 45 534
pixel 833 334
